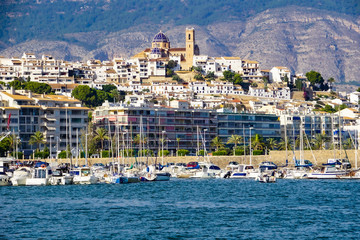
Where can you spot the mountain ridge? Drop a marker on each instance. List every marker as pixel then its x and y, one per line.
pixel 301 38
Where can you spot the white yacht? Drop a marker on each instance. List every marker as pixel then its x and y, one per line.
pixel 244 171
pixel 40 175
pixel 4 167
pixel 20 175
pixel 207 170
pixel 60 178
pixel 333 169
pixel 83 175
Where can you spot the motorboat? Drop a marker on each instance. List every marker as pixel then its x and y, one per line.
pixel 266 177
pixel 333 169
pixel 4 168
pixel 40 175
pixel 206 170
pixel 83 175
pixel 154 173
pixel 20 175
pixel 244 171
pixel 267 165
pixel 60 178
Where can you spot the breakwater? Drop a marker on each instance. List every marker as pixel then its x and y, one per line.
pixel 317 157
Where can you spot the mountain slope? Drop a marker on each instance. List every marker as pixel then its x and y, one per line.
pixel 301 38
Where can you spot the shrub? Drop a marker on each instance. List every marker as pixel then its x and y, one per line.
pixel 20 154
pixel 258 152
pixel 166 152
pixel 182 152
pixel 105 154
pixel 62 154
pixel 220 153
pixel 239 152
pixel 201 153
pixel 145 152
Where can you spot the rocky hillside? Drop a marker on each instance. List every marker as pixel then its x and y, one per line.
pixel 301 38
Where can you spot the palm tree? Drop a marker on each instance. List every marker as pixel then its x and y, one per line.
pixel 282 145
pixel 235 139
pixel 257 142
pixel 348 144
pixel 101 135
pixel 37 138
pixel 271 143
pixel 137 140
pixel 319 141
pixel 217 143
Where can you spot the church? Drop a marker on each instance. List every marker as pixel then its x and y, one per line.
pixel 161 50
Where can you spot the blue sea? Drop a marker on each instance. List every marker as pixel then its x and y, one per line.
pixel 184 209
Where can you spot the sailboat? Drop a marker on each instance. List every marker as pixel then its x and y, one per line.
pixel 335 167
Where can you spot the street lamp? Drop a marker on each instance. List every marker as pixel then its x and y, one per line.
pixel 250 146
pixel 162 147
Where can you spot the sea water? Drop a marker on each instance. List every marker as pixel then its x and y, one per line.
pixel 184 209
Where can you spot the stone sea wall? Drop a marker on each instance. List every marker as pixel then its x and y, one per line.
pixel 279 157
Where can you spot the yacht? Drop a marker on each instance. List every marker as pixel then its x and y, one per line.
pixel 40 175
pixel 83 175
pixel 4 167
pixel 333 169
pixel 60 178
pixel 244 171
pixel 206 170
pixel 20 175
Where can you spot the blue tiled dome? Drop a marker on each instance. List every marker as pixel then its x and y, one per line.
pixel 160 37
pixel 155 51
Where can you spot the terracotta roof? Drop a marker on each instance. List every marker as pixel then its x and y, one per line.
pixel 177 49
pixel 18 97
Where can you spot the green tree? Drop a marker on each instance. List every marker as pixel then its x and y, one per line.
pixel 177 78
pixel 17 84
pixel 37 138
pixel 108 88
pixel 210 76
pixel 171 64
pixel 89 96
pixel 271 143
pixel 320 140
pixel 331 82
pixel 257 142
pixel 198 69
pixel 314 78
pixel 137 139
pixel 217 143
pixel 235 139
pixel 198 76
pixel 238 79
pixel 282 145
pixel 36 87
pixel 228 75
pixel 101 135
pixel 169 72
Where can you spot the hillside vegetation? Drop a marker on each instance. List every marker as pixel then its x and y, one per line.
pixel 43 19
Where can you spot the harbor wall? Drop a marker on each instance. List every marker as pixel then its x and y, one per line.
pixel 317 157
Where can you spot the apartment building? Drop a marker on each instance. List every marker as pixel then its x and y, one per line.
pixel 57 117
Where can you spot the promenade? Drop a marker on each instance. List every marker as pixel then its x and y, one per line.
pixel 278 157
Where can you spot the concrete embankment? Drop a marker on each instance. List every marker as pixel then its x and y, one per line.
pixel 317 157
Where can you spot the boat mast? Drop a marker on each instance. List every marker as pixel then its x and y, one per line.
pixel 197 139
pixel 301 144
pixel 286 143
pixel 332 135
pixel 77 147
